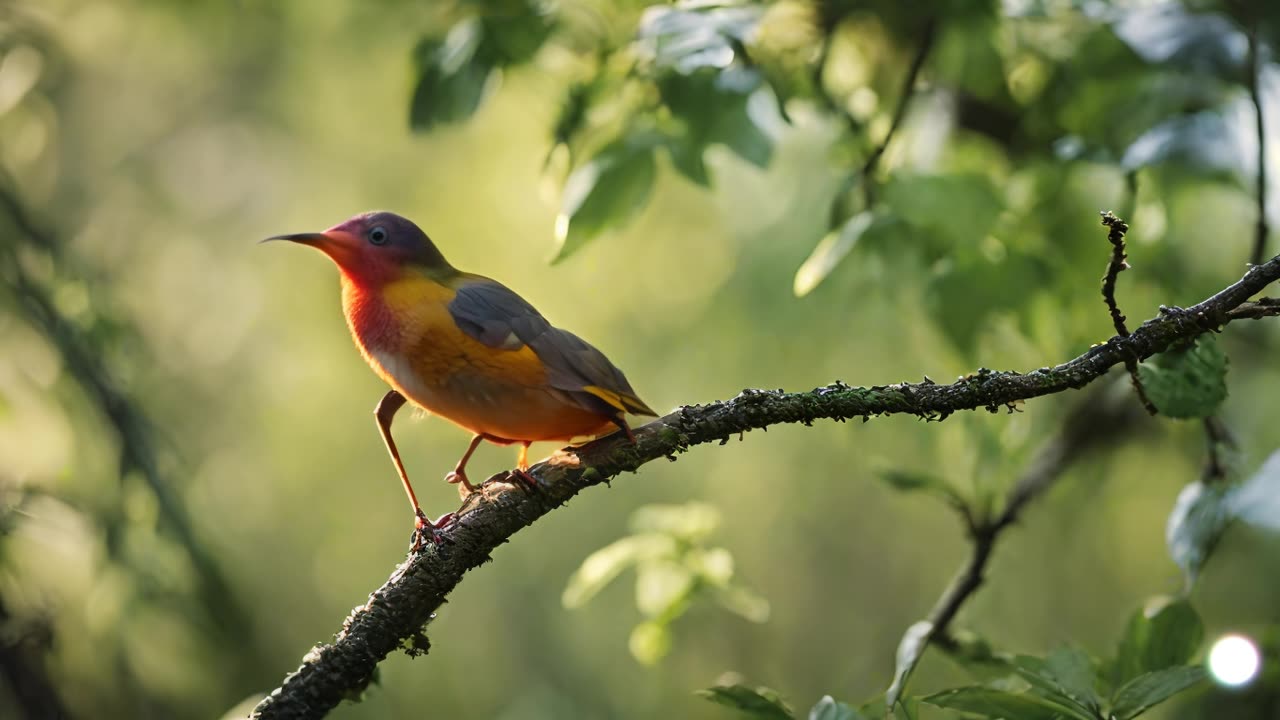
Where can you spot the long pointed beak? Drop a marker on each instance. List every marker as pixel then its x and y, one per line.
pixel 313 239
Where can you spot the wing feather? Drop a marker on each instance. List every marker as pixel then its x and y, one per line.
pixel 496 316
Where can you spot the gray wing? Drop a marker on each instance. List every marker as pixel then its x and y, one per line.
pixel 496 316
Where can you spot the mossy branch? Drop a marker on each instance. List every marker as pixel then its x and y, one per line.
pixel 395 613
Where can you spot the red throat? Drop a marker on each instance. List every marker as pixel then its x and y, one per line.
pixel 372 323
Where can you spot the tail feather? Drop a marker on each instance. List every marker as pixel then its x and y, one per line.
pixel 622 401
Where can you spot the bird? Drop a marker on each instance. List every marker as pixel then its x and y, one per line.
pixel 467 348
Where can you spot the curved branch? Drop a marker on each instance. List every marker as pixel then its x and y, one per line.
pixel 395 613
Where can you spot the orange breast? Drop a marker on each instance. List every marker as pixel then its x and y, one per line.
pixel 410 339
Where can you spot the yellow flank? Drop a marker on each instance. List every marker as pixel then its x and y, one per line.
pixel 501 394
pixel 440 350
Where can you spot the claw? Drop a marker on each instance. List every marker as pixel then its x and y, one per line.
pixel 458 477
pixel 424 529
pixel 528 480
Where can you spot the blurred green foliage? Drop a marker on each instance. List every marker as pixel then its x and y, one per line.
pixel 1151 666
pixel 674 570
pixel 726 150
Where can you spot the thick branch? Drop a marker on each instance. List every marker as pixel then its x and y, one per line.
pixel 397 611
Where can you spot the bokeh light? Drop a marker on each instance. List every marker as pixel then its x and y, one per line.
pixel 1234 660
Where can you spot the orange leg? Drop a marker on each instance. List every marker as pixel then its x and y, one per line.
pixel 384 413
pixel 622 423
pixel 459 474
pixel 522 465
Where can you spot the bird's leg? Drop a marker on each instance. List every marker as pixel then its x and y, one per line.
pixel 522 466
pixel 423 526
pixel 459 474
pixel 622 423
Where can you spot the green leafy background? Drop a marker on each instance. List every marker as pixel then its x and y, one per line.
pixel 680 165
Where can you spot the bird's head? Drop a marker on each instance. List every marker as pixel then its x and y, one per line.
pixel 375 248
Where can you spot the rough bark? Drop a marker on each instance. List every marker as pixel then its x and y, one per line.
pixel 395 614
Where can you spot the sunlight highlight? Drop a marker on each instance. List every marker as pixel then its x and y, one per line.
pixel 1234 660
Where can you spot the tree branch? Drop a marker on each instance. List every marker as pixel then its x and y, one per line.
pixel 866 174
pixel 1119 263
pixel 1260 191
pixel 396 612
pixel 927 35
pixel 1099 416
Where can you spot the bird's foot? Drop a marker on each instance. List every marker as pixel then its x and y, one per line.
pixel 425 530
pixel 459 478
pixel 526 479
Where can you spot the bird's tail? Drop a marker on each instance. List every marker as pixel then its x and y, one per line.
pixel 626 402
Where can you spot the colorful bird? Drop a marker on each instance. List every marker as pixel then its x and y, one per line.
pixel 466 348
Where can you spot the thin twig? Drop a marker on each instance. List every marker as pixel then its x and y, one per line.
pixel 1220 442
pixel 866 174
pixel 1255 94
pixel 1100 416
pixel 1256 310
pixel 398 610
pixel 927 36
pixel 1119 263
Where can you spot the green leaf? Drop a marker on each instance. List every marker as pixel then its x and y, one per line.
pixel 713 566
pixel 1189 382
pixel 993 703
pixel 662 588
pixel 716 108
pixel 1153 688
pixel 828 708
pixel 1199 517
pixel 744 603
pixel 1168 34
pixel 1074 672
pixel 1060 683
pixel 452 80
pixel 910 648
pixel 1257 500
pixel 690 522
pixel 910 480
pixel 907 709
pixel 603 565
pixel 1205 141
pixel 737 128
pixel 650 642
pixel 609 190
pixel 760 702
pixel 514 30
pixel 686 157
pixel 830 250
pixel 1166 632
pixel 695 35
pixel 960 209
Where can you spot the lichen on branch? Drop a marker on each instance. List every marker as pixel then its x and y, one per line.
pixel 397 611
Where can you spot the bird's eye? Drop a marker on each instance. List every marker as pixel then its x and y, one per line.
pixel 378 236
